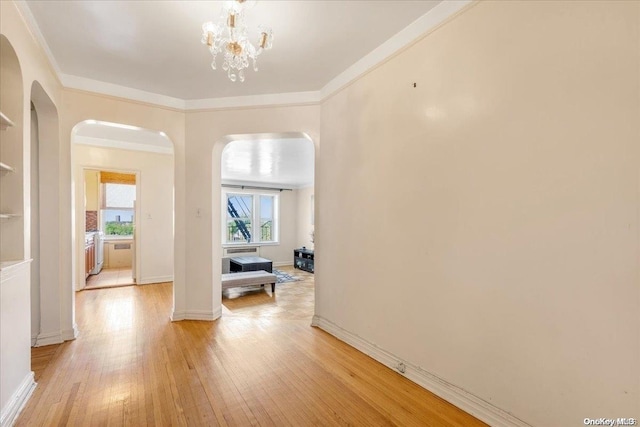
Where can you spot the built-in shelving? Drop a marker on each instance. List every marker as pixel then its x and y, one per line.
pixel 5 121
pixel 8 216
pixel 5 167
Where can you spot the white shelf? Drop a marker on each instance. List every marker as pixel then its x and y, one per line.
pixel 7 265
pixel 5 121
pixel 8 216
pixel 5 167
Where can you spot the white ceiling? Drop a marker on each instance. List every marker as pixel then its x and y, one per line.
pixel 151 51
pixel 278 162
pixel 154 46
pixel 115 135
pixel 281 163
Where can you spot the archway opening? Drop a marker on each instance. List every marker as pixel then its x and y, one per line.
pixel 266 193
pixel 124 195
pixel 47 296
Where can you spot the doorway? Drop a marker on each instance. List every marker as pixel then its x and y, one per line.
pixel 267 188
pixel 105 154
pixel 110 223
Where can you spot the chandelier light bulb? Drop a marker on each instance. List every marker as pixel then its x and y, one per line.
pixel 229 36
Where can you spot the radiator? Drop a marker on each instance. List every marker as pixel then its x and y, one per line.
pixel 241 251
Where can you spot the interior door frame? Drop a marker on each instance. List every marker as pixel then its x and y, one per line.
pixel 81 224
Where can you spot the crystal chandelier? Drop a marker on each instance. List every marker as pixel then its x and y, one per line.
pixel 230 36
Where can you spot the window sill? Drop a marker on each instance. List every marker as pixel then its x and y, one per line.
pixel 117 238
pixel 239 245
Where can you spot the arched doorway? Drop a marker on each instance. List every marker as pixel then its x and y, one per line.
pixel 47 296
pixel 126 150
pixel 265 189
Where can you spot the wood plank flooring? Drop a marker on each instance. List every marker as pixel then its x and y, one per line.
pixel 292 300
pixel 132 366
pixel 110 278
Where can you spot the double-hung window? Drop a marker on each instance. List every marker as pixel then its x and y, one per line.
pixel 250 218
pixel 118 209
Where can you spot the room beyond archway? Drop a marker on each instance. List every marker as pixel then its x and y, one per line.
pixel 267 191
pixel 135 224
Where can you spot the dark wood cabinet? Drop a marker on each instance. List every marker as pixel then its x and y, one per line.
pixel 303 259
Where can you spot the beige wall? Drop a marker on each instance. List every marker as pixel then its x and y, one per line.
pixel 511 173
pixel 517 150
pixel 207 133
pixel 39 84
pixel 154 225
pixel 305 227
pixel 79 106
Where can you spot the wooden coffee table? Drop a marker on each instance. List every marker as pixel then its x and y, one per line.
pixel 250 263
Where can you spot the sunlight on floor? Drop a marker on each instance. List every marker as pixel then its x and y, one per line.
pixel 110 277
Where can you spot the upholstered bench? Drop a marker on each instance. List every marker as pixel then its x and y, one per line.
pixel 248 278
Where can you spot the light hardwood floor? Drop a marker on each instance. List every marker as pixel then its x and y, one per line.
pixel 132 366
pixel 292 300
pixel 110 278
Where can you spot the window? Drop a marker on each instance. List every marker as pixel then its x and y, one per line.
pixel 250 218
pixel 239 218
pixel 266 219
pixel 117 209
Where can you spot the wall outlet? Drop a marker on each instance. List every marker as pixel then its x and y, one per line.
pixel 401 367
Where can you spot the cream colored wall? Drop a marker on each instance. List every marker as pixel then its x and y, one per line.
pixel 198 143
pixel 119 258
pixel 154 226
pixel 79 106
pixel 12 149
pixel 511 171
pixel 56 307
pixel 207 133
pixel 519 145
pixel 304 229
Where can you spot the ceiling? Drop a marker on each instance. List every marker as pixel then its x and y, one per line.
pixel 281 163
pixel 154 46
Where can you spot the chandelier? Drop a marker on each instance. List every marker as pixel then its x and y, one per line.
pixel 230 36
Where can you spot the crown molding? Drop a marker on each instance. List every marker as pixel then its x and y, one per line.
pixel 415 31
pixel 400 41
pixel 34 29
pixel 111 89
pixel 295 98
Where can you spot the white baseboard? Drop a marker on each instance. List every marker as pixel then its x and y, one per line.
pixel 453 394
pixel 15 405
pixel 70 334
pixel 155 279
pixel 56 337
pixel 196 315
pixel 283 264
pixel 48 338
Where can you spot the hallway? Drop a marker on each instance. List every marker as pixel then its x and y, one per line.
pixel 132 365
